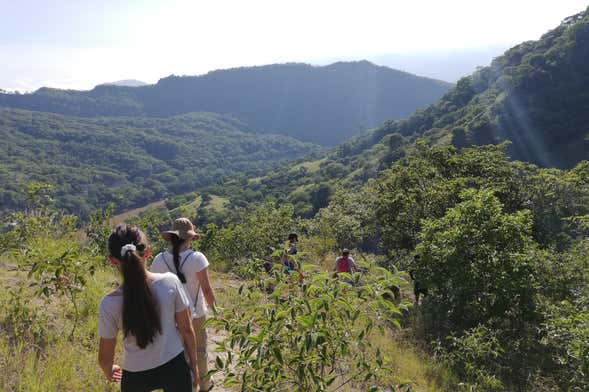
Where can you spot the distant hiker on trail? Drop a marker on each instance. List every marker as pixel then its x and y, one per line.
pixel 152 312
pixel 418 287
pixel 345 263
pixel 191 268
pixel 288 260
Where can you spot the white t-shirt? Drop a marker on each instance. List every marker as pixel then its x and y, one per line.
pixel 191 262
pixel 170 297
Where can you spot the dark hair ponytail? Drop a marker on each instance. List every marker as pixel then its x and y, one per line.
pixel 177 242
pixel 140 311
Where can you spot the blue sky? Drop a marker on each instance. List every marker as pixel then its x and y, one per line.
pixel 79 43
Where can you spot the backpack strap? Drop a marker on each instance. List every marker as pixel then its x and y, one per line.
pixel 181 264
pixel 197 282
pixel 167 265
pixel 186 258
pixel 197 294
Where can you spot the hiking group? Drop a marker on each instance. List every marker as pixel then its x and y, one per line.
pixel 161 311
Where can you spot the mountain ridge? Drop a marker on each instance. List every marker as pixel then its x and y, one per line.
pixel 320 104
pixel 535 95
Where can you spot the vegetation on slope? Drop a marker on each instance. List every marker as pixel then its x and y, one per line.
pixel 129 161
pixel 503 253
pixel 500 245
pixel 534 95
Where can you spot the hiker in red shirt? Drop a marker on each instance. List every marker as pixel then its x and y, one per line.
pixel 345 263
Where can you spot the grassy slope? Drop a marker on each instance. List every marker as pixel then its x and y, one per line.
pixel 123 216
pixel 63 365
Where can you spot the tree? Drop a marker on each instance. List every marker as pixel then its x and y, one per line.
pixel 459 138
pixel 430 181
pixel 476 263
pixel 320 196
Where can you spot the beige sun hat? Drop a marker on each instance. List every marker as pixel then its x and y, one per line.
pixel 183 228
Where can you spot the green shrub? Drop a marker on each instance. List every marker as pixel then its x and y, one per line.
pixel 476 264
pixel 23 321
pixel 567 337
pixel 283 335
pixel 476 357
pixel 253 235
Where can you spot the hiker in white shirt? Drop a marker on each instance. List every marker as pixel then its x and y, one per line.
pixel 152 312
pixel 191 267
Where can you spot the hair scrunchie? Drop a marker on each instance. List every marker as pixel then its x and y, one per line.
pixel 127 248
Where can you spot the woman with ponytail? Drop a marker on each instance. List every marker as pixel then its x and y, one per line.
pixel 153 314
pixel 191 268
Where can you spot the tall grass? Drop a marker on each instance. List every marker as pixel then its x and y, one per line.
pixel 36 351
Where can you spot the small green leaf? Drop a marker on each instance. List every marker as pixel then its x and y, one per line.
pixel 219 362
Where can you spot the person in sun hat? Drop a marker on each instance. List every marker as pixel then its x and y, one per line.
pixel 191 268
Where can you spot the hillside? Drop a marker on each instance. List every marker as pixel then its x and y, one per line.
pixel 533 96
pixel 325 105
pixel 130 161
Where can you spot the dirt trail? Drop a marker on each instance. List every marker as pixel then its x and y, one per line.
pixel 221 283
pixel 214 338
pixel 119 218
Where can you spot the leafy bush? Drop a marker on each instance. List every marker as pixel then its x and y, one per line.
pixel 21 320
pixel 567 336
pixel 309 336
pixel 475 262
pixel 475 355
pixel 98 229
pixel 47 249
pixel 253 235
pixel 249 269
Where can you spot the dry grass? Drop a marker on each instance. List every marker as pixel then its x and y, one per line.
pixel 217 203
pixel 122 217
pixel 410 366
pixel 311 166
pixel 52 362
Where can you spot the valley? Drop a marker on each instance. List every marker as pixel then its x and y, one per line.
pixel 464 207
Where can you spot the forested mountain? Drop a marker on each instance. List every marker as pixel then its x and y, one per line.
pixel 130 161
pixel 326 105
